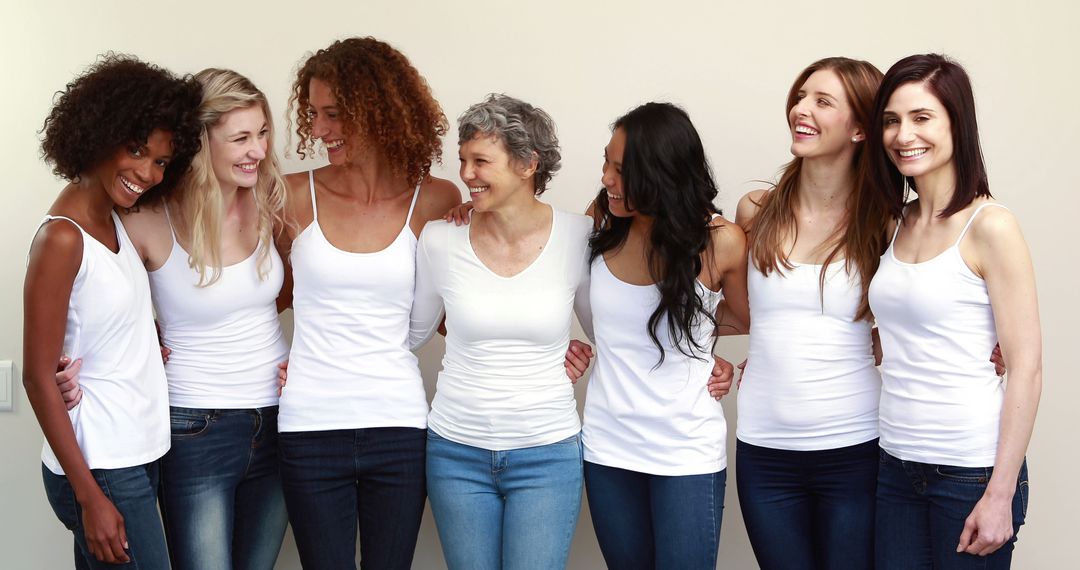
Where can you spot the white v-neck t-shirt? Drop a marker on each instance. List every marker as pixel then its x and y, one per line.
pixel 503 384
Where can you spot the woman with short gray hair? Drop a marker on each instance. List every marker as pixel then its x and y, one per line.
pixel 504 466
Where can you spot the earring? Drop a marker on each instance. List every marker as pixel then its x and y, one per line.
pixel 855 139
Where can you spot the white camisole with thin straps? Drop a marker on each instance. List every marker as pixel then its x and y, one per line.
pixel 350 365
pixel 225 338
pixel 941 400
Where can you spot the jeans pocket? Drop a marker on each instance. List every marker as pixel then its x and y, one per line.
pixel 188 424
pixel 969 475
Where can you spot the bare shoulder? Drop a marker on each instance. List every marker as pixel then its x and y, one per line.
pixel 437 196
pixel 728 242
pixel 995 226
pixel 56 250
pixel 749 206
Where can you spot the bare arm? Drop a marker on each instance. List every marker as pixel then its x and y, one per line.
pixel 1001 256
pixel 54 262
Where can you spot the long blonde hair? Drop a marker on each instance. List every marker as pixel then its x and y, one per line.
pixel 198 205
pixel 861 238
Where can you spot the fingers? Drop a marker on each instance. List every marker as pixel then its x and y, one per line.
pixel 967 535
pixel 65 360
pixel 165 352
pixel 282 375
pixel 576 361
pixel 720 379
pixel 742 370
pixel 998 360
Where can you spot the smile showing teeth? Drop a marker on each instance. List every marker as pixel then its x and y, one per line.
pixel 132 186
pixel 334 144
pixel 613 196
pixel 912 153
pixel 248 167
pixel 805 130
pixel 478 189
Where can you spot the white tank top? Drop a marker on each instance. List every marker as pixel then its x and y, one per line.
pixel 639 417
pixel 225 338
pixel 123 418
pixel 350 365
pixel 941 400
pixel 810 383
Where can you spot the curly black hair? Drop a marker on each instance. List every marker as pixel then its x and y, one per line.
pixel 118 101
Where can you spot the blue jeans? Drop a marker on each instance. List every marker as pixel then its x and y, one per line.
pixel 921 509
pixel 645 521
pixel 220 490
pixel 809 509
pixel 133 491
pixel 337 481
pixel 511 510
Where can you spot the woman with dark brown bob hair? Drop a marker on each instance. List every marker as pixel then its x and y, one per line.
pixel 122 130
pixel 353 417
pixel 952 482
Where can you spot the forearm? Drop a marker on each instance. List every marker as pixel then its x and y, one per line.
pixel 55 423
pixel 1017 421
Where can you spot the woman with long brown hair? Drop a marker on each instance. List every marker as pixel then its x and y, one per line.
pixel 806 456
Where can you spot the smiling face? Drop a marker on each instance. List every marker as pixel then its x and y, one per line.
pixel 491 175
pixel 326 123
pixel 821 121
pixel 135 168
pixel 917 133
pixel 612 175
pixel 238 142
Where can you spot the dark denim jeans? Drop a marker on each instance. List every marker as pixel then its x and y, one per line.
pixel 645 521
pixel 921 509
pixel 220 490
pixel 337 480
pixel 811 510
pixel 133 490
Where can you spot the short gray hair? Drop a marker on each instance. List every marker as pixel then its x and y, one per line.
pixel 527 132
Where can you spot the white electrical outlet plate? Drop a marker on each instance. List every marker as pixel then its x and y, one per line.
pixel 7 373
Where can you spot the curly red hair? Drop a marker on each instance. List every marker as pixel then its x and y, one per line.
pixel 382 98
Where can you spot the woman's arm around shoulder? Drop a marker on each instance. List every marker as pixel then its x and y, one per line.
pixel 998 252
pixel 437 197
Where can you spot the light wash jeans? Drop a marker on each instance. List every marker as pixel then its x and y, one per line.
pixel 511 510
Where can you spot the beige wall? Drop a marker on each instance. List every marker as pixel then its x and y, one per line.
pixel 729 64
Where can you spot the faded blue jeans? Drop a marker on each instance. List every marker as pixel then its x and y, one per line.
pixel 645 521
pixel 509 510
pixel 921 509
pixel 221 493
pixel 133 491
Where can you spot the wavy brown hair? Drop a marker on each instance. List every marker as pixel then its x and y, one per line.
pixel 861 239
pixel 382 98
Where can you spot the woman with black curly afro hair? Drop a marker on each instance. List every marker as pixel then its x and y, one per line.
pixel 120 131
pixel 352 419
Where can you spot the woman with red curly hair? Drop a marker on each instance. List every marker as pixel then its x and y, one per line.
pixel 353 417
pixel 119 131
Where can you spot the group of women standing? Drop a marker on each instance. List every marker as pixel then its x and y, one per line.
pixel 358 250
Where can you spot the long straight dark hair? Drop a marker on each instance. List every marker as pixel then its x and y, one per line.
pixel 861 238
pixel 946 80
pixel 665 176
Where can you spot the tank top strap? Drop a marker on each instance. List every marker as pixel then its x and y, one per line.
pixel 168 218
pixel 49 218
pixel 974 214
pixel 311 186
pixel 412 205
